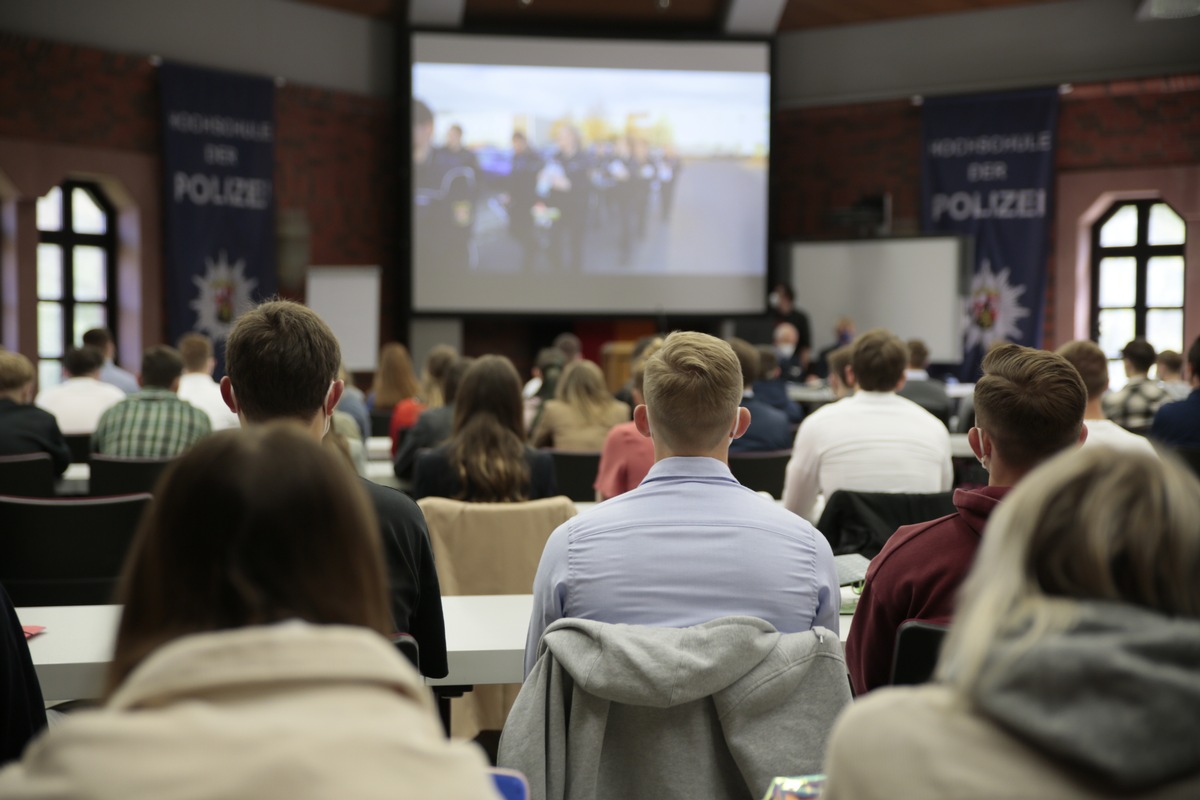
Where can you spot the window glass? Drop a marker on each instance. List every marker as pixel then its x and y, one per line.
pixel 49 272
pixel 50 329
pixel 1121 229
pixel 49 210
pixel 1116 375
pixel 1116 330
pixel 1164 281
pixel 1166 227
pixel 88 316
pixel 1118 282
pixel 86 215
pixel 1164 329
pixel 89 274
pixel 49 373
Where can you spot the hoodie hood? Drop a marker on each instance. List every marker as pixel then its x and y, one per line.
pixel 976 505
pixel 1117 695
pixel 659 667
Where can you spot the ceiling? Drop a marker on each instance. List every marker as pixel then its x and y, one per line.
pixel 671 15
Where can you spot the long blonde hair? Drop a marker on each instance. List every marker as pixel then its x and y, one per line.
pixel 582 388
pixel 1094 524
pixel 433 376
pixel 395 379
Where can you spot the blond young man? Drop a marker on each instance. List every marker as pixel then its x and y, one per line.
pixel 690 544
pixel 1092 365
pixel 197 386
pixel 873 441
pixel 24 428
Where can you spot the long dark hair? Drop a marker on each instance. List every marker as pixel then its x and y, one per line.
pixel 249 528
pixel 487 449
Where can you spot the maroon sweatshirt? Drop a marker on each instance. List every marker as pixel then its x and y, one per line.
pixel 915 576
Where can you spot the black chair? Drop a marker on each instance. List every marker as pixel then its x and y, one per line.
pixel 575 474
pixel 408 648
pixel 111 475
pixel 762 472
pixel 65 552
pixel 381 423
pixel 27 475
pixel 20 692
pixel 918 644
pixel 80 445
pixel 862 522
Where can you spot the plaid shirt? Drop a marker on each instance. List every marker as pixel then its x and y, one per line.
pixel 1133 405
pixel 153 423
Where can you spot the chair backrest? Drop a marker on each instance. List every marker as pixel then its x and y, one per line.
pixel 862 522
pixel 381 422
pixel 490 548
pixel 80 445
pixel 27 475
pixel 111 475
pixel 762 472
pixel 409 648
pixel 65 552
pixel 918 644
pixel 575 474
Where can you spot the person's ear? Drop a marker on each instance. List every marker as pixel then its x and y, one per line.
pixel 641 420
pixel 741 424
pixel 333 396
pixel 228 395
pixel 981 443
pixel 1083 433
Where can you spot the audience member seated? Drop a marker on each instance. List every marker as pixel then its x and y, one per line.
pixel 920 388
pixel 690 544
pixel 771 388
pixel 434 426
pixel 547 370
pixel 784 339
pixel 1178 424
pixel 78 402
pixel 154 423
pixel 840 377
pixel 843 335
pixel 1029 405
pixel 570 346
pixel 433 375
pixel 873 441
pixel 24 711
pixel 1133 405
pixel 486 459
pixel 24 428
pixel 1087 357
pixel 251 658
pixel 1168 369
pixel 354 403
pixel 110 373
pixel 627 455
pixel 769 427
pixel 196 385
pixel 581 413
pixel 281 363
pixel 1070 669
pixel 644 343
pixel 395 382
pixel 782 301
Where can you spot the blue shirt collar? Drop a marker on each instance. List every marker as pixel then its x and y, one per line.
pixel 689 468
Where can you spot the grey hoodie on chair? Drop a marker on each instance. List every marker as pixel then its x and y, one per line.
pixel 713 711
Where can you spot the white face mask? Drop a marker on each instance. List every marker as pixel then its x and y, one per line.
pixel 773 299
pixel 785 350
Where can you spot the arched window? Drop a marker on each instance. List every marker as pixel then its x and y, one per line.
pixel 76 274
pixel 1137 280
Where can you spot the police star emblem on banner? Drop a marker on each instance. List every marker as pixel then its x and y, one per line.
pixel 224 294
pixel 993 308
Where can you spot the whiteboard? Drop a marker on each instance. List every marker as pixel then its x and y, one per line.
pixel 913 287
pixel 347 298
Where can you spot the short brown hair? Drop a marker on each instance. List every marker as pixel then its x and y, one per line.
pixel 637 374
pixel 918 354
pixel 838 360
pixel 250 527
pixel 281 359
pixel 693 387
pixel 97 337
pixel 80 361
pixel 1140 354
pixel 768 360
pixel 16 371
pixel 1031 403
pixel 1170 361
pixel 161 366
pixel 878 359
pixel 748 358
pixel 1087 357
pixel 195 349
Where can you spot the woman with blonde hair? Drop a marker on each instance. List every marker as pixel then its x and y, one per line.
pixel 251 658
pixel 486 459
pixel 1072 668
pixel 581 413
pixel 395 380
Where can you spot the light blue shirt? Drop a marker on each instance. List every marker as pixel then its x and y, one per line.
pixel 120 378
pixel 689 545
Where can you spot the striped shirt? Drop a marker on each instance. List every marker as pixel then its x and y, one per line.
pixel 154 423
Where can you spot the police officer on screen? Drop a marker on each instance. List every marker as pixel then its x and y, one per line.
pixel 566 183
pixel 521 196
pixel 443 197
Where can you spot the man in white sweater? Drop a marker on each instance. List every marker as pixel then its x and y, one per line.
pixel 873 441
pixel 1087 357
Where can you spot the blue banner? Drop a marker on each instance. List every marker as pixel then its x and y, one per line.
pixel 987 167
pixel 219 215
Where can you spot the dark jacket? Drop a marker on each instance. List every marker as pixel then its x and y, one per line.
pixel 1178 424
pixel 769 429
pixel 23 712
pixel 774 394
pixel 434 477
pixel 28 429
pixel 432 429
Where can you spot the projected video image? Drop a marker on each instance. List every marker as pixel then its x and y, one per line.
pixel 581 171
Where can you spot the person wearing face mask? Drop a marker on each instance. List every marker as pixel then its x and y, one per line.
pixel 785 338
pixel 783 310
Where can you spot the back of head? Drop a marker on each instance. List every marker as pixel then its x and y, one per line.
pixel 437 364
pixel 768 361
pixel 196 349
pixel 82 361
pixel 637 373
pixel 918 354
pixel 97 337
pixel 281 359
pixel 1169 364
pixel 248 528
pixel 879 358
pixel 161 367
pixel 454 377
pixel 1140 355
pixel 748 359
pixel 582 388
pixel 1090 362
pixel 395 379
pixel 1092 524
pixel 550 362
pixel 1030 402
pixel 487 449
pixel 16 372
pixel 838 360
pixel 569 344
pixel 693 388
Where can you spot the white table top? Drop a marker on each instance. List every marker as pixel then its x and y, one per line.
pixel 379 448
pixel 960 447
